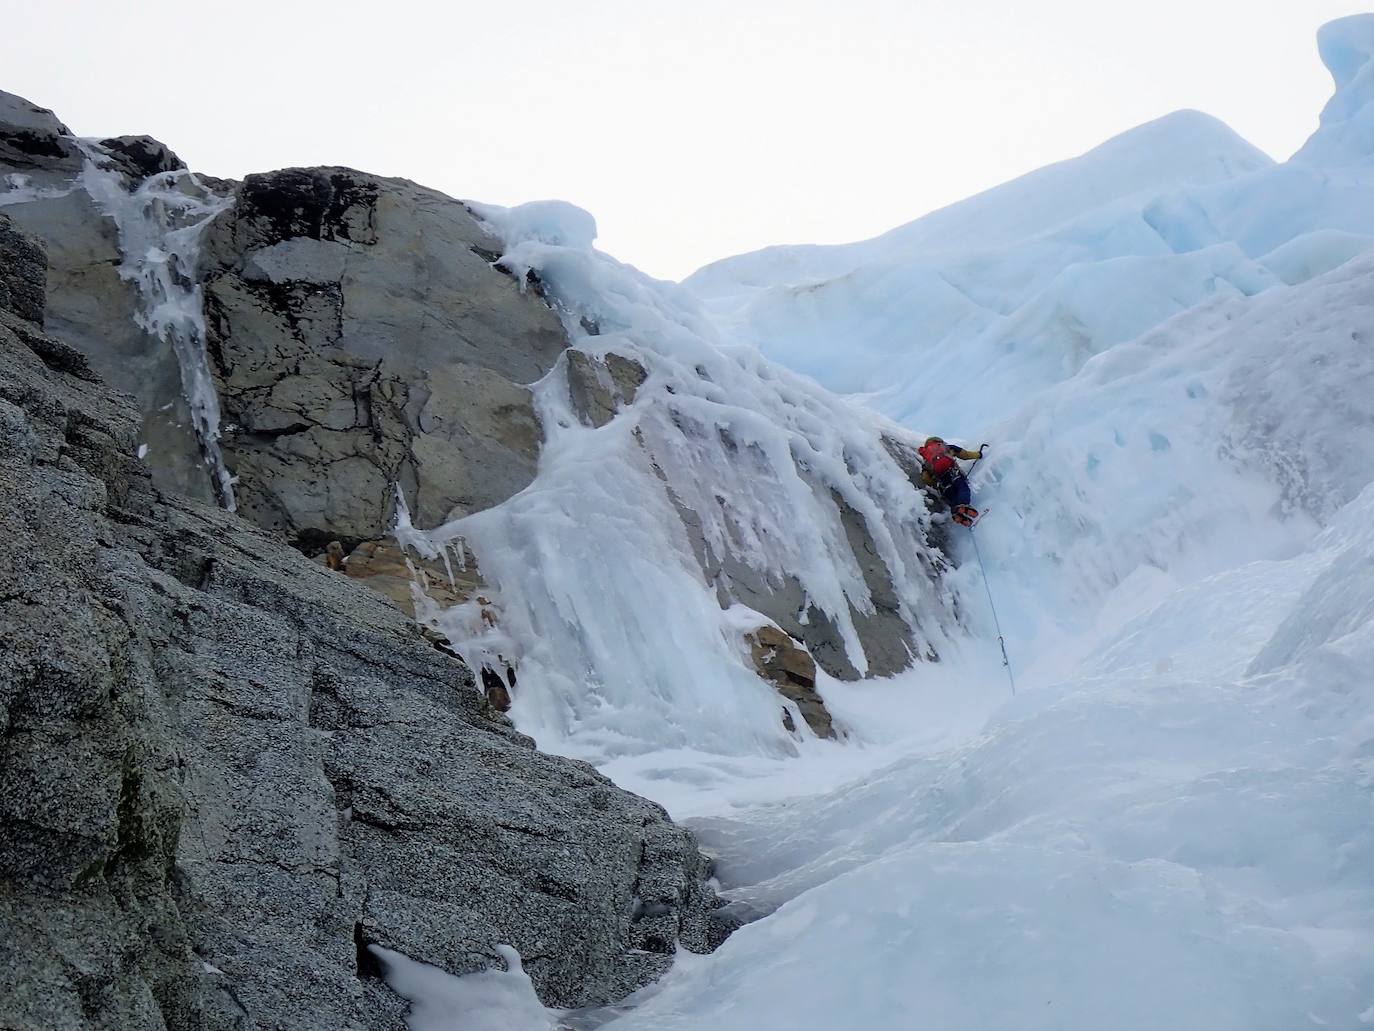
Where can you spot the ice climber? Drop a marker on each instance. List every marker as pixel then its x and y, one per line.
pixel 940 470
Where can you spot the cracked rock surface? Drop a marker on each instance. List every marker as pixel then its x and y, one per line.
pixel 224 770
pixel 361 337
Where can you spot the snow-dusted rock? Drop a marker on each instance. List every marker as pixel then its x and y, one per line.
pixel 31 135
pixel 90 304
pixel 225 770
pixel 142 156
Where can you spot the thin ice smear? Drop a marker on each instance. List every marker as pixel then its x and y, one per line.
pixel 20 190
pixel 160 225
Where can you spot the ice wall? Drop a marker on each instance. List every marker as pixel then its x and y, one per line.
pixel 623 642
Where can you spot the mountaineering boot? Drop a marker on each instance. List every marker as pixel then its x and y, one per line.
pixel 965 515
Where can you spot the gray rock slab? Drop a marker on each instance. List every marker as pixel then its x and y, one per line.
pixel 361 339
pixel 225 769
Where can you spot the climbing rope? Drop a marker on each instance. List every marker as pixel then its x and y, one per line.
pixel 995 621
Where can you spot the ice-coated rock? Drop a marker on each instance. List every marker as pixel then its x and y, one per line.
pixel 90 305
pixel 226 770
pixel 361 334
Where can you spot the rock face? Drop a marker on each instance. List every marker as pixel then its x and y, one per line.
pixel 90 306
pixel 225 769
pixel 361 338
pixel 23 273
pixel 792 671
pixel 384 567
pixel 31 136
pixel 600 387
pixel 139 157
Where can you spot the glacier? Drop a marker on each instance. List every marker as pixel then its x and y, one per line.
pixel 1169 343
pixel 1014 289
pixel 1170 826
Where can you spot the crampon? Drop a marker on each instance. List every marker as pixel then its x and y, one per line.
pixel 965 515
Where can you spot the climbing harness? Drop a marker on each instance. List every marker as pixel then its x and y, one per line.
pixel 1006 662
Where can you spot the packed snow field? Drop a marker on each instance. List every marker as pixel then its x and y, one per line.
pixel 1169 345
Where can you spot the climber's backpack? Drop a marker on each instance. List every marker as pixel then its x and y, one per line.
pixel 936 459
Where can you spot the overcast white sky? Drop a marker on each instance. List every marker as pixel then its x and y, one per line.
pixel 692 130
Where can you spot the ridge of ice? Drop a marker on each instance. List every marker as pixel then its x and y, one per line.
pixel 1177 151
pixel 937 321
pixel 1346 134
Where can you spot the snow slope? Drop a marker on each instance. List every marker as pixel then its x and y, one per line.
pixel 1171 824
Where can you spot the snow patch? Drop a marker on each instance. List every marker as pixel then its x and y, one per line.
pixel 492 1000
